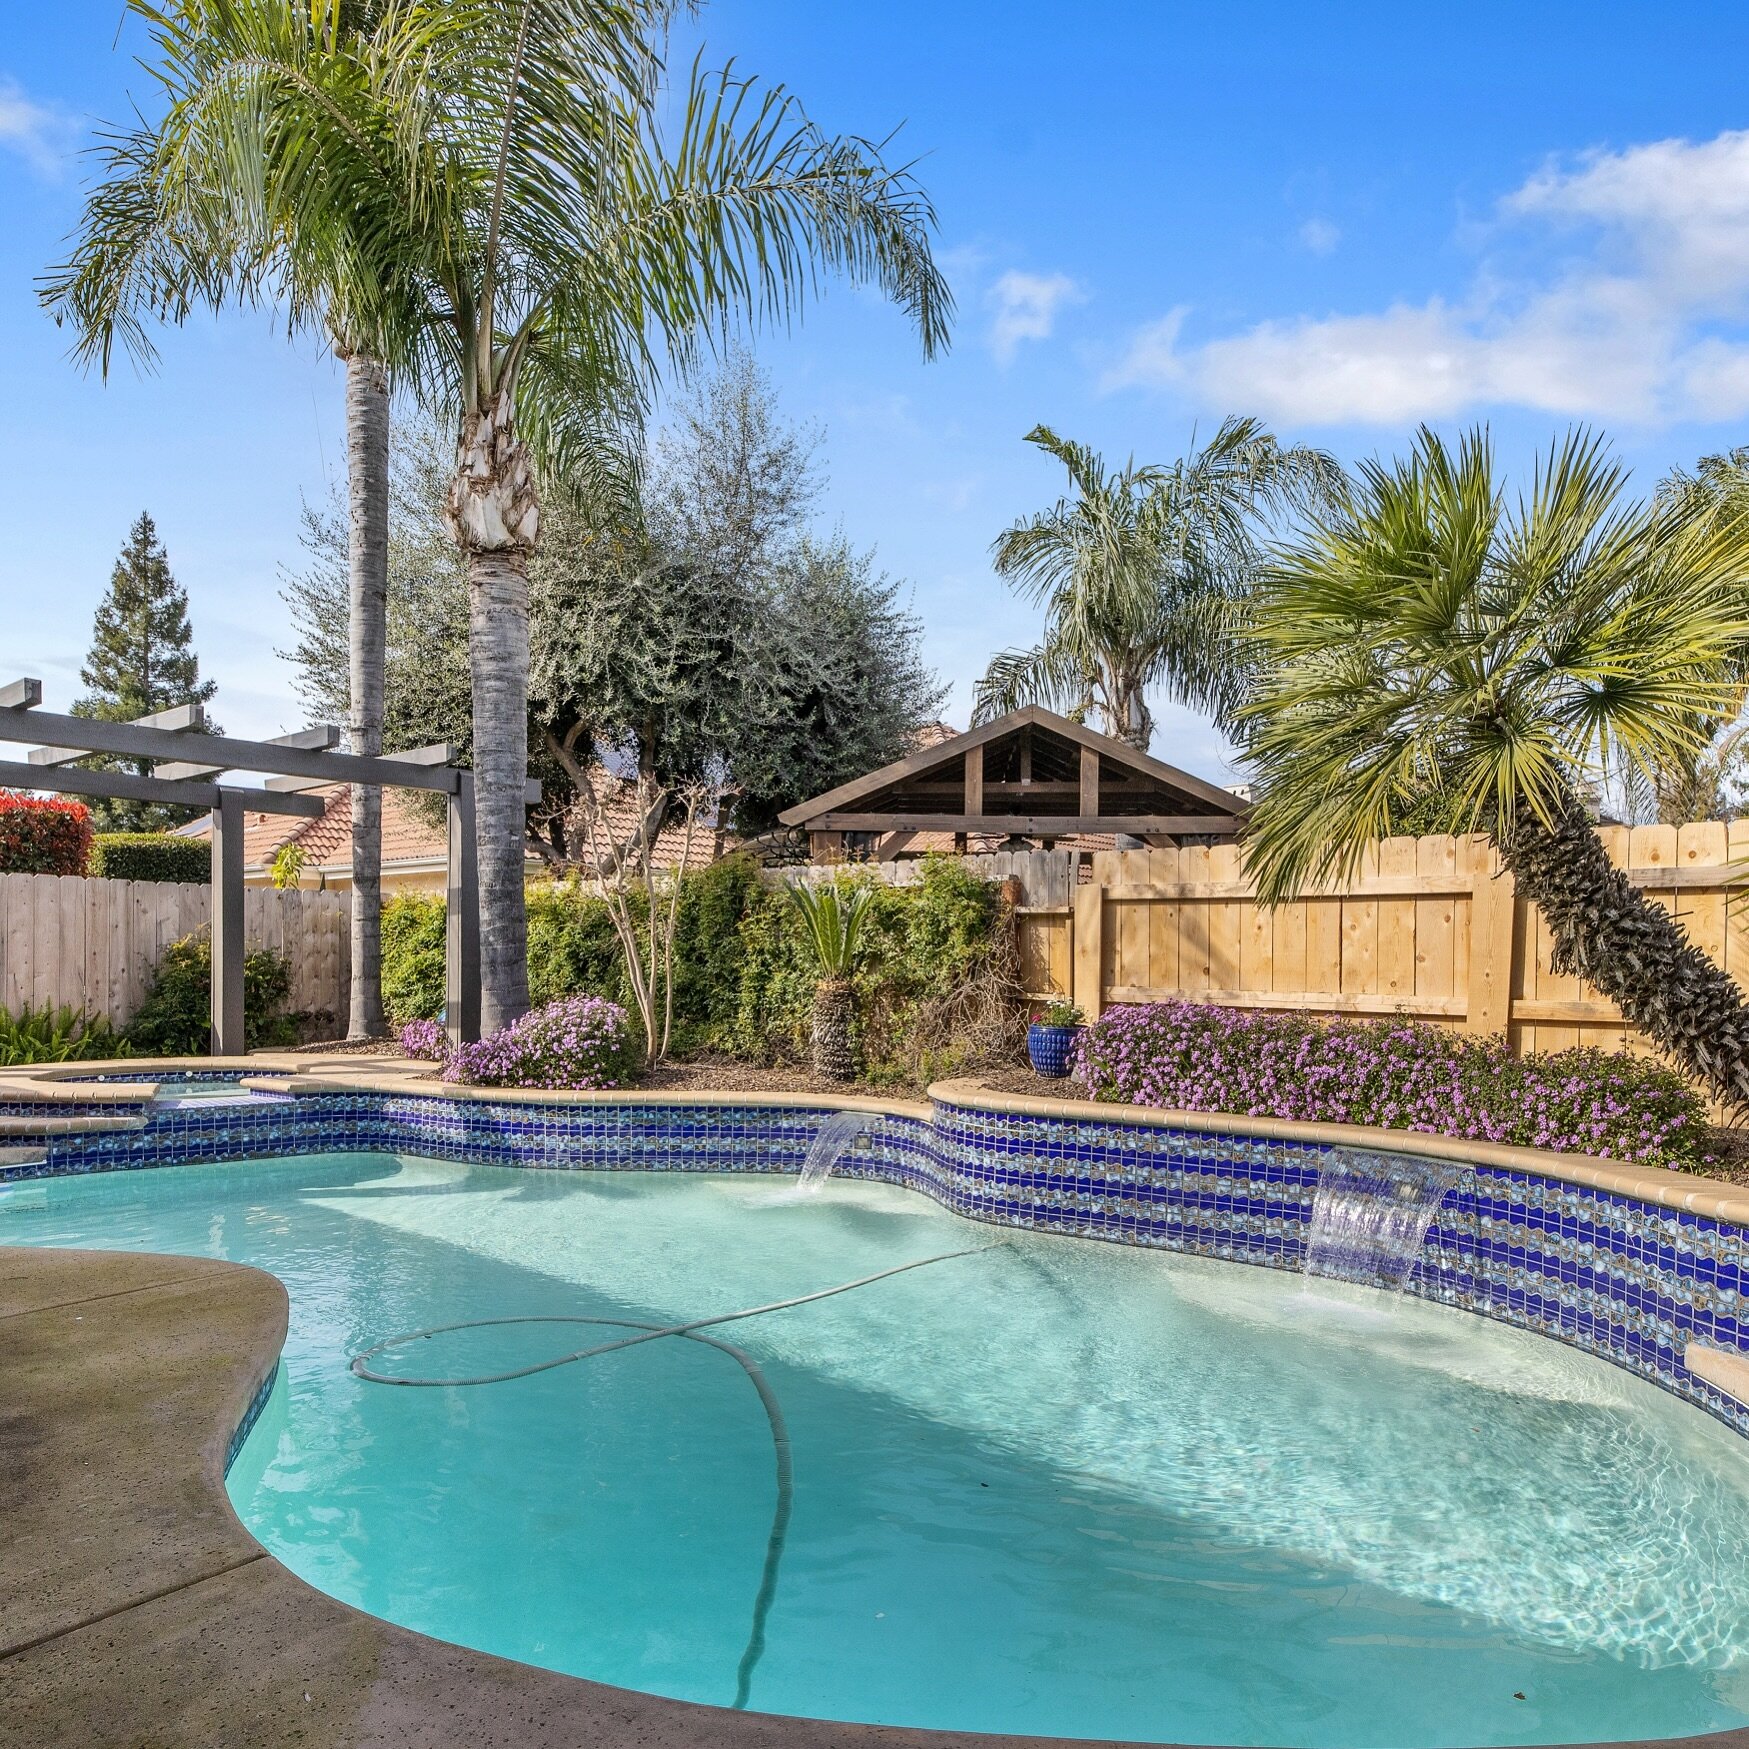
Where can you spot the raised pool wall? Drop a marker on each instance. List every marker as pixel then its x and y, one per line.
pixel 1644 1268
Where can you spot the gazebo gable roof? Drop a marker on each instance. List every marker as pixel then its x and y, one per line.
pixel 1192 794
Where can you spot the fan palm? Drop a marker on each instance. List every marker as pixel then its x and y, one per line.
pixel 279 170
pixel 1427 637
pixel 1142 574
pixel 833 918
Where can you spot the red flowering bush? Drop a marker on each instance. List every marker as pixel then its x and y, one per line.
pixel 43 837
pixel 1394 1074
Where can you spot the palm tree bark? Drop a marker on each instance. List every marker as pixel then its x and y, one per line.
pixel 367 472
pixel 1132 721
pixel 834 1029
pixel 1606 931
pixel 494 513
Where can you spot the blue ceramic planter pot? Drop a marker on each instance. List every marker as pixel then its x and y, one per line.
pixel 1050 1048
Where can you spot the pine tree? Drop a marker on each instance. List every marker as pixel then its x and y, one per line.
pixel 142 660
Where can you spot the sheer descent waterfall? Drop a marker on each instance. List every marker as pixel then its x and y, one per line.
pixel 832 1141
pixel 1371 1212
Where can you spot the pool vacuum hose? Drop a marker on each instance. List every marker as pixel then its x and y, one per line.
pixel 692 1330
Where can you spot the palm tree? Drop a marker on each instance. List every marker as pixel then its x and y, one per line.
pixel 1428 638
pixel 578 237
pixel 1142 573
pixel 833 918
pixel 278 170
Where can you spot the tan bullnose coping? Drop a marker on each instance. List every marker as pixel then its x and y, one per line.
pixel 136 1610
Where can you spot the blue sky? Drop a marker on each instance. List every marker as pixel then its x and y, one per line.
pixel 1345 219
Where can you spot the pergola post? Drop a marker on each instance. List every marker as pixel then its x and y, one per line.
pixel 461 943
pixel 227 925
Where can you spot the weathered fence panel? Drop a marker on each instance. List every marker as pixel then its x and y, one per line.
pixel 94 944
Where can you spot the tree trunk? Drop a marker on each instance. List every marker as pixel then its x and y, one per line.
pixel 834 1029
pixel 494 513
pixel 367 473
pixel 1132 721
pixel 1605 931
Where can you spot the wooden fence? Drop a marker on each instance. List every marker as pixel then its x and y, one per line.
pixel 1430 928
pixel 94 944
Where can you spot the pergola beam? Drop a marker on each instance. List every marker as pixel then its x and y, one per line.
pixel 129 786
pixel 179 719
pixel 1027 825
pixel 225 752
pixel 318 739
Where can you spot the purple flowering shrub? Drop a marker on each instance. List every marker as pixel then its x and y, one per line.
pixel 426 1040
pixel 1395 1074
pixel 579 1042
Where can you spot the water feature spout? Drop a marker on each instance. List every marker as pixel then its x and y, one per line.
pixel 832 1141
pixel 1371 1211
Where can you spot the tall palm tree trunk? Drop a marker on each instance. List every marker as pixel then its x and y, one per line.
pixel 367 473
pixel 1132 721
pixel 1605 931
pixel 494 513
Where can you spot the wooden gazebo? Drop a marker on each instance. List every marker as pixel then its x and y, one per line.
pixel 1030 776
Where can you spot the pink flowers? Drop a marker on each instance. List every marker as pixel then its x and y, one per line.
pixel 1395 1074
pixel 426 1040
pixel 581 1043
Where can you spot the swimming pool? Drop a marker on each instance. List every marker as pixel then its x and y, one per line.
pixel 1050 1487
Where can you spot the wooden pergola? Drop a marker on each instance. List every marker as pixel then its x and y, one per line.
pixel 1029 775
pixel 187 760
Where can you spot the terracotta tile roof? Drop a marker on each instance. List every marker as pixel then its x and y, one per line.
pixel 621 819
pixel 327 840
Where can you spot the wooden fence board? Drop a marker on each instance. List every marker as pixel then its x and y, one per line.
pixel 94 944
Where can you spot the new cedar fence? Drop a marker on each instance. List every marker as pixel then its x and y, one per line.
pixel 94 944
pixel 1430 928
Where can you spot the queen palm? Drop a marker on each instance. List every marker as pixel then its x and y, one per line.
pixel 1142 573
pixel 1427 636
pixel 279 170
pixel 581 236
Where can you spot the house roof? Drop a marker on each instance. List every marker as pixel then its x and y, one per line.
pixel 1033 777
pixel 326 841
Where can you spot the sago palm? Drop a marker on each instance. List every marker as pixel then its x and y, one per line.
pixel 282 168
pixel 1142 573
pixel 833 917
pixel 1430 637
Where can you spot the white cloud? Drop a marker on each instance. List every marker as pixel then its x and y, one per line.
pixel 1320 236
pixel 1026 306
pixel 1635 312
pixel 40 135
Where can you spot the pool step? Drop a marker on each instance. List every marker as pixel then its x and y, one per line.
pixel 80 1125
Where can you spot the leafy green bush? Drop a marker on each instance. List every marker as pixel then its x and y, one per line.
pixel 55 1035
pixel 151 856
pixel 175 1020
pixel 413 957
pixel 933 986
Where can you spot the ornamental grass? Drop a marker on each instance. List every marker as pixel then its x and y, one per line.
pixel 1392 1074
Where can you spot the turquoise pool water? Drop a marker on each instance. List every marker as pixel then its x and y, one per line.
pixel 1056 1487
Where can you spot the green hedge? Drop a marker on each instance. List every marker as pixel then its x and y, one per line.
pixel 151 856
pixel 744 976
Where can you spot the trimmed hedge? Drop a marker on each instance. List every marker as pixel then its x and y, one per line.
pixel 43 836
pixel 151 856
